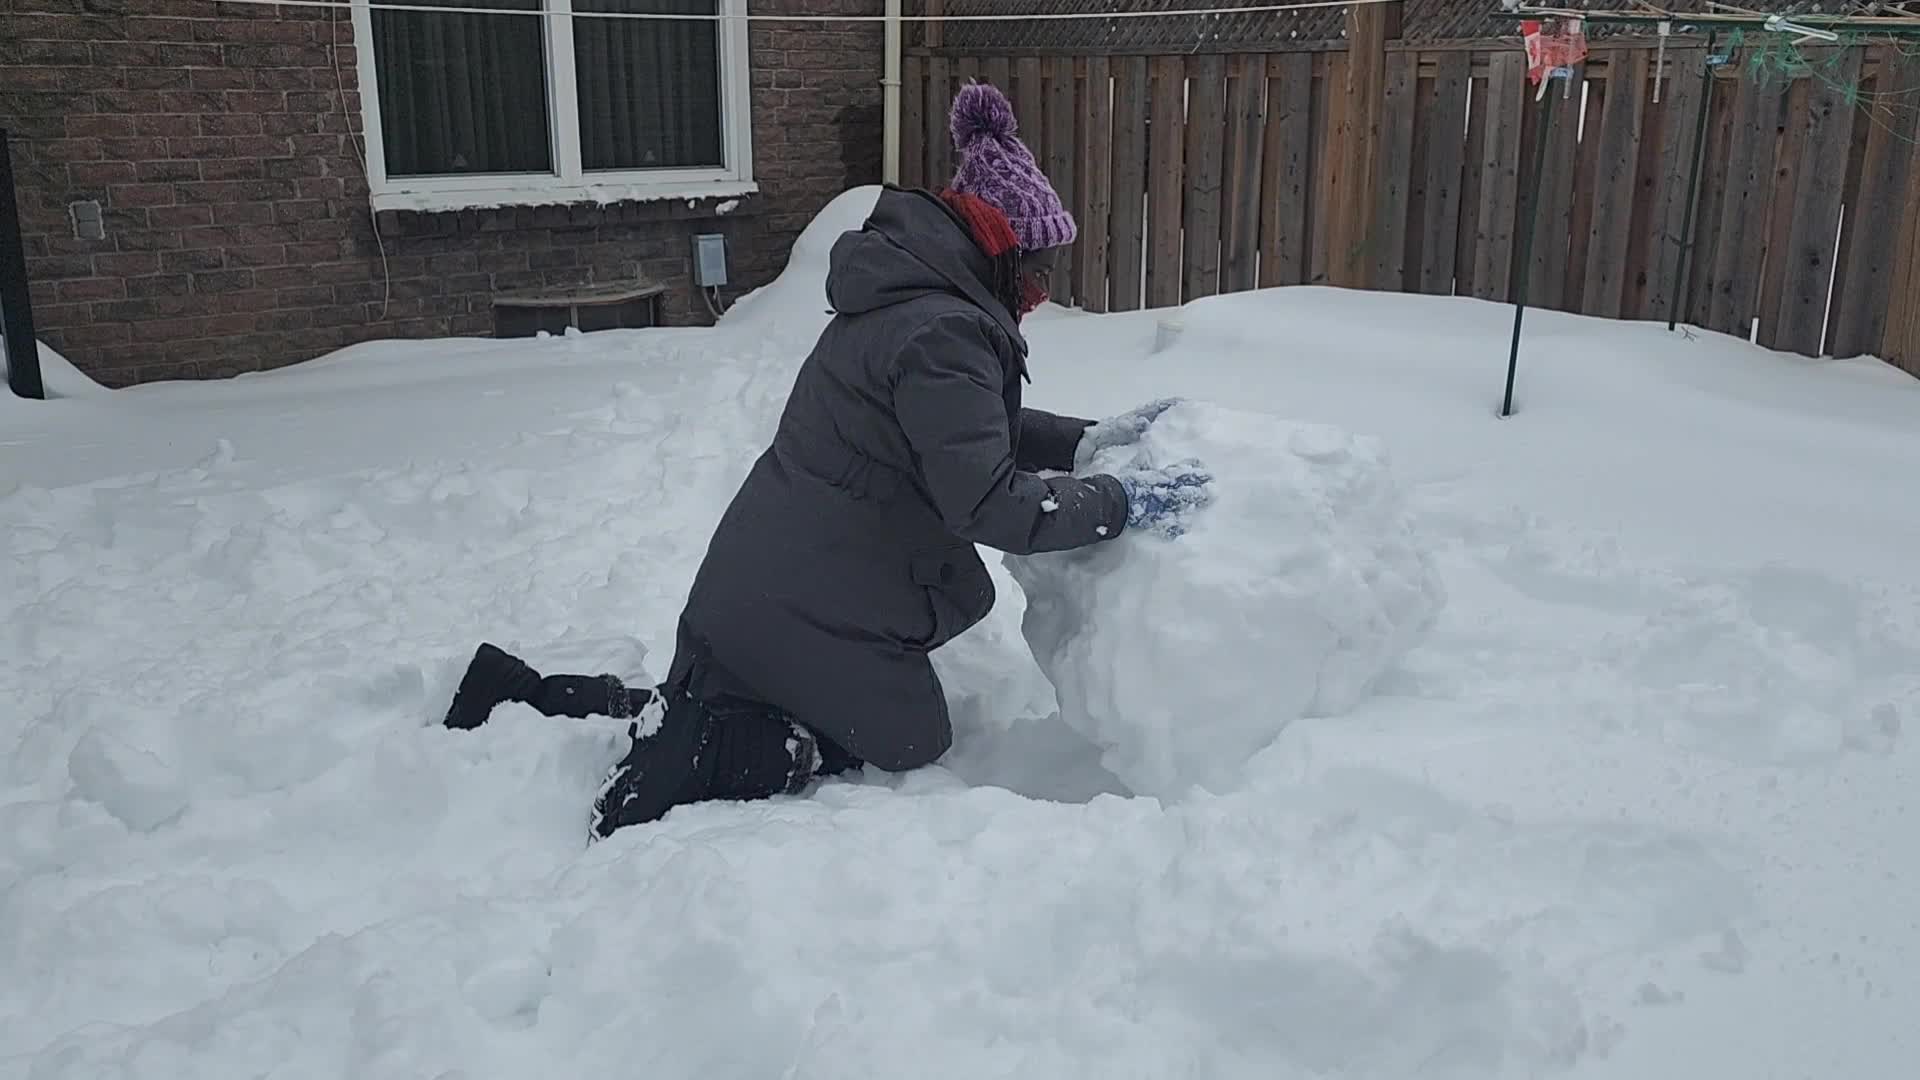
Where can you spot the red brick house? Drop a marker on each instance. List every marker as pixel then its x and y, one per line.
pixel 196 199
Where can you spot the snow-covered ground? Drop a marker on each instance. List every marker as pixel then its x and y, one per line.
pixel 1641 803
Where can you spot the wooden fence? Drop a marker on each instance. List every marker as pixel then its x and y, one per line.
pixel 1403 167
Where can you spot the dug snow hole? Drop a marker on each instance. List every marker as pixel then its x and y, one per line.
pixel 1288 594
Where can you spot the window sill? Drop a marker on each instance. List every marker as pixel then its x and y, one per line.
pixel 430 200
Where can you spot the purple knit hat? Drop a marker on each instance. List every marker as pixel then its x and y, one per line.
pixel 998 168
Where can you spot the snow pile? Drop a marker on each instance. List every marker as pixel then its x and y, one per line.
pixel 795 304
pixel 1288 595
pixel 58 377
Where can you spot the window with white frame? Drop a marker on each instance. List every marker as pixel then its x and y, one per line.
pixel 504 102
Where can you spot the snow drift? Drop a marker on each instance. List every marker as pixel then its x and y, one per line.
pixel 1287 596
pixel 58 377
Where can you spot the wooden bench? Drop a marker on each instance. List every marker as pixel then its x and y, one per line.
pixel 620 305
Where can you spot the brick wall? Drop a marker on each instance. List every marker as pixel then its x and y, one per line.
pixel 238 236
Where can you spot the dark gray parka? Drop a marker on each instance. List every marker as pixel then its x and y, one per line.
pixel 848 552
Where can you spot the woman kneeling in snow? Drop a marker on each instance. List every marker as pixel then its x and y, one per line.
pixel 848 553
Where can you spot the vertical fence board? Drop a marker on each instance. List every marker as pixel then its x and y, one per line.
pixel 1619 157
pixel 1791 130
pixel 1030 102
pixel 999 72
pixel 1061 100
pixel 1742 218
pixel 1885 174
pixel 1586 174
pixel 1679 110
pixel 913 122
pixel 1466 251
pixel 1096 181
pixel 1387 240
pixel 1346 255
pixel 1644 211
pixel 1446 124
pixel 1788 141
pixel 1127 270
pixel 1716 187
pixel 1858 121
pixel 1807 262
pixel 1329 116
pixel 1695 304
pixel 1285 174
pixel 1500 185
pixel 1530 128
pixel 1165 166
pixel 1417 208
pixel 1358 143
pixel 1240 230
pixel 1553 243
pixel 938 99
pixel 1206 129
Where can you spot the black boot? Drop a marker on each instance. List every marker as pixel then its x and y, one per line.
pixel 493 676
pixel 695 754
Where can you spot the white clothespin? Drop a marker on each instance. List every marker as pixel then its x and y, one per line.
pixel 1782 25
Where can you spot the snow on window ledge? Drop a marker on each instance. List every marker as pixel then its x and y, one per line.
pixel 431 199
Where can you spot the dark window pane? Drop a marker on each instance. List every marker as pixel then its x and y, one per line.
pixel 649 88
pixel 462 94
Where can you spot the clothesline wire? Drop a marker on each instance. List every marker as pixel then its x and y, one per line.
pixel 1033 16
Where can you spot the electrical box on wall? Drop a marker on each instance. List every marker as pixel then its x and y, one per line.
pixel 88 224
pixel 709 260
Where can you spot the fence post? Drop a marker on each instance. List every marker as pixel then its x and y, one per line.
pixel 16 306
pixel 1350 233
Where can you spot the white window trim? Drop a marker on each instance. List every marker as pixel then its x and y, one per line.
pixel 567 183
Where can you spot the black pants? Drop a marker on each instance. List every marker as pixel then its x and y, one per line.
pixel 701 736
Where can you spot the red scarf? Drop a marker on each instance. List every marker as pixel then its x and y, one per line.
pixel 995 236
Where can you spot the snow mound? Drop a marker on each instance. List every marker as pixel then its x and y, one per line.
pixel 58 377
pixel 134 785
pixel 795 303
pixel 1288 595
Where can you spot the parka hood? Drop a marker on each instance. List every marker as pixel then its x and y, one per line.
pixel 912 245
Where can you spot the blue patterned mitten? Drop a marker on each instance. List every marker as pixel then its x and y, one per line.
pixel 1163 501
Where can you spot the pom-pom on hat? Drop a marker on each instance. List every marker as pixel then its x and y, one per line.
pixel 998 168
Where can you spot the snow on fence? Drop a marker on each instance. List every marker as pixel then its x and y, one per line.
pixel 1196 173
